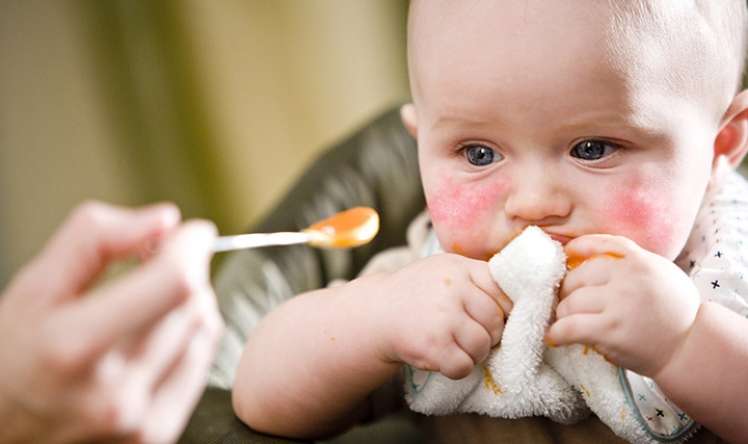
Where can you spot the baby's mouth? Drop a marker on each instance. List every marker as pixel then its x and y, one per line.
pixel 560 238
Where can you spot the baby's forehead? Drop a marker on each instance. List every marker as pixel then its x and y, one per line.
pixel 499 41
pixel 670 44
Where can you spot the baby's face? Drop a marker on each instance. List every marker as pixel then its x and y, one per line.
pixel 525 118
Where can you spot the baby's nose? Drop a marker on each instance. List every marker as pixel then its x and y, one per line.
pixel 535 198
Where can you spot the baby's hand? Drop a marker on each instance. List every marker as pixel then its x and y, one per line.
pixel 633 306
pixel 442 313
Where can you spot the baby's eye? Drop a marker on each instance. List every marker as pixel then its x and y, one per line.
pixel 591 150
pixel 481 155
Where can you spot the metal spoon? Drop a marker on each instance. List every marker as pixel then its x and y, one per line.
pixel 350 228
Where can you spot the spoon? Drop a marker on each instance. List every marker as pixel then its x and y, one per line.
pixel 350 228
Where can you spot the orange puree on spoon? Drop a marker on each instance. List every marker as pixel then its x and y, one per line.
pixel 350 228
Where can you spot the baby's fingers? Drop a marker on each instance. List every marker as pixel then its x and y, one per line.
pixel 455 363
pixel 473 339
pixel 484 310
pixel 588 300
pixel 592 272
pixel 583 328
pixel 481 277
pixel 591 245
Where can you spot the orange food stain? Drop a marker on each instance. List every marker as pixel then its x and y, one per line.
pixel 588 348
pixel 584 390
pixel 573 262
pixel 487 257
pixel 606 358
pixel 489 382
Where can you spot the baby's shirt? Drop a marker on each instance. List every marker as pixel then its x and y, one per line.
pixel 714 256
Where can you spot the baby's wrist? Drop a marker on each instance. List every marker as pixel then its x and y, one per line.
pixel 677 360
pixel 368 308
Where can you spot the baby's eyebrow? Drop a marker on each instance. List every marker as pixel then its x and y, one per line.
pixel 446 121
pixel 620 123
pixel 640 125
pixel 450 124
pixel 608 118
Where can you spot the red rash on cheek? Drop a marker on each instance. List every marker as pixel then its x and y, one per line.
pixel 640 211
pixel 462 206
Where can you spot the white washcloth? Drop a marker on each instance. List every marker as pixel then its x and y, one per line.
pixel 522 377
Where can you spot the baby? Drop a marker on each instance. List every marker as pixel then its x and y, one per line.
pixel 610 125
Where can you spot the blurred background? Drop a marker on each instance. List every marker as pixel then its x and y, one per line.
pixel 216 106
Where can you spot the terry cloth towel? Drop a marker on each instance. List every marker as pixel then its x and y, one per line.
pixel 522 377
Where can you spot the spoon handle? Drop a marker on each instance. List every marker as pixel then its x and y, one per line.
pixel 255 240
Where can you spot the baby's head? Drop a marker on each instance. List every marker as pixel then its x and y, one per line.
pixel 580 116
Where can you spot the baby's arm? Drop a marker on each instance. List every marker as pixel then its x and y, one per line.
pixel 644 314
pixel 708 375
pixel 309 365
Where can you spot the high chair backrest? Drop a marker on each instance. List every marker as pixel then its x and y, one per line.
pixel 376 166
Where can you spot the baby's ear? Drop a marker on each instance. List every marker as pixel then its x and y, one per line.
pixel 732 138
pixel 408 116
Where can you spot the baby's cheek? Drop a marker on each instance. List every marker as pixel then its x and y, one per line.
pixel 465 213
pixel 642 211
pixel 461 206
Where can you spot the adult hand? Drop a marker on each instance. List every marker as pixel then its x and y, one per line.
pixel 124 361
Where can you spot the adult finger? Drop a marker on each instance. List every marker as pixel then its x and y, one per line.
pixel 136 301
pixel 167 342
pixel 164 343
pixel 584 300
pixel 581 328
pixel 177 396
pixel 191 245
pixel 480 275
pixel 93 235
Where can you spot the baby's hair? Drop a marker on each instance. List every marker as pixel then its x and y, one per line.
pixel 705 42
pixel 712 34
pixel 731 16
